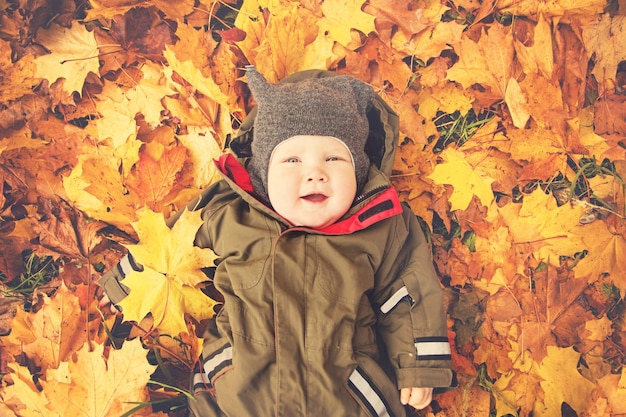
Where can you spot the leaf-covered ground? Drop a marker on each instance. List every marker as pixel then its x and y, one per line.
pixel 512 153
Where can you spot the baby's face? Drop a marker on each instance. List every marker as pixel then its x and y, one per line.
pixel 311 180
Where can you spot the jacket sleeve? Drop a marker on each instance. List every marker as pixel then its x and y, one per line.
pixel 408 299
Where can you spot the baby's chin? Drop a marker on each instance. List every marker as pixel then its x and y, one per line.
pixel 318 223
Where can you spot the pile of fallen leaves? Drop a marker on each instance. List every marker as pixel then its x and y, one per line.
pixel 512 155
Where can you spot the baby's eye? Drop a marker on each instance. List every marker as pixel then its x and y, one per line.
pixel 334 158
pixel 292 160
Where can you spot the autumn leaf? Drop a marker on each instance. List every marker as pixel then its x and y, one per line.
pixel 52 334
pixel 605 39
pixel 167 287
pixel 195 68
pixel 562 383
pixel 95 187
pixel 466 180
pixel 288 35
pixel 606 247
pixel 89 384
pixel 486 62
pixel 335 25
pixel 154 177
pixel 74 53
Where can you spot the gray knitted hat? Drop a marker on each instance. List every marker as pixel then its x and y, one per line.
pixel 332 106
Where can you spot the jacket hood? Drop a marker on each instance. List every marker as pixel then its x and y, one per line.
pixel 381 144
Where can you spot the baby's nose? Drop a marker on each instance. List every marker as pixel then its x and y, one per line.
pixel 317 175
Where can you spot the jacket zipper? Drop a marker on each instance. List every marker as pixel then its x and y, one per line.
pixel 360 198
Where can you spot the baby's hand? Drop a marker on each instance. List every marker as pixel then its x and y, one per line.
pixel 417 398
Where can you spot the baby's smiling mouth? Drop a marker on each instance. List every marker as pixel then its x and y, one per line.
pixel 315 198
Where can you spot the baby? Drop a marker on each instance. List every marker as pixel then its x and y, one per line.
pixel 331 303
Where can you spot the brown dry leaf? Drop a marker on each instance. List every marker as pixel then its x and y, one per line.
pixel 552 8
pixel 64 231
pixel 139 34
pixel 18 79
pixel 533 43
pixel 605 40
pixel 110 9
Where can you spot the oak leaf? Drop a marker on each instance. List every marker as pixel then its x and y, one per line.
pixel 168 285
pixel 74 53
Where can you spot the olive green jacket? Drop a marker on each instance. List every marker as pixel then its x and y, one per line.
pixel 327 322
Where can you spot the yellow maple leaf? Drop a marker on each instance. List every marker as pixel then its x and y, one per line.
pixel 562 383
pixel 605 253
pixel 22 397
pixel 54 332
pixel 200 143
pixel 466 180
pixel 95 387
pixel 86 385
pixel 558 226
pixel 95 187
pixel 193 67
pixel 488 62
pixel 167 287
pixel 74 53
pixel 289 32
pixel 614 387
pixel 341 16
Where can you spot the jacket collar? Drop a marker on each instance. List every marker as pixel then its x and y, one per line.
pixel 380 202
